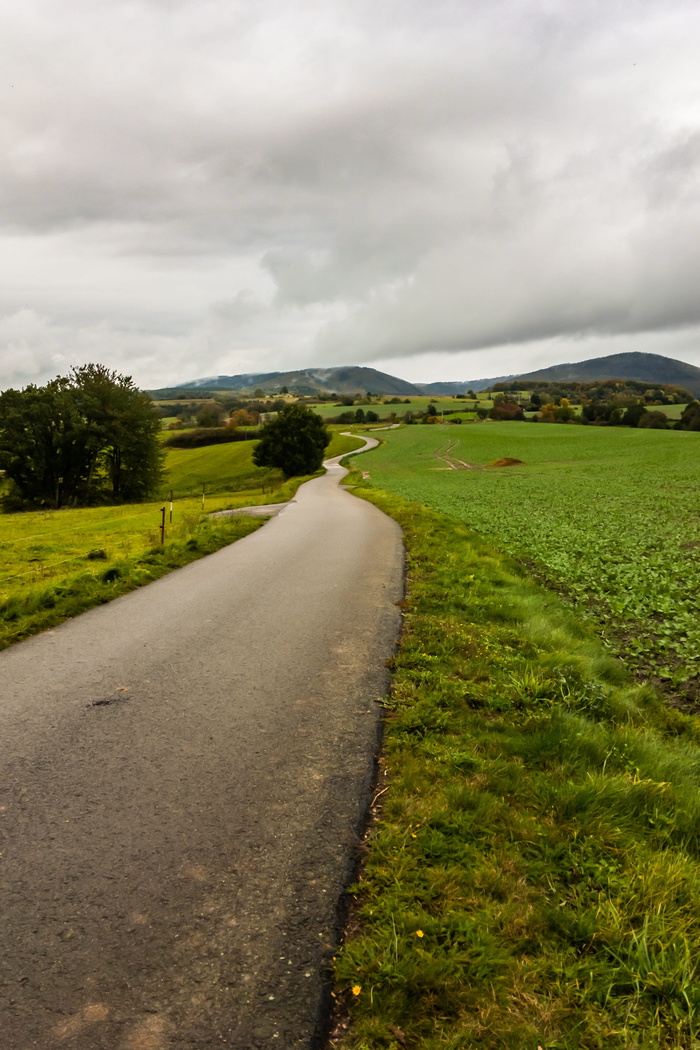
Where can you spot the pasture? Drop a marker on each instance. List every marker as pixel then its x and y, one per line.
pixel 609 517
pixel 56 563
pixel 410 403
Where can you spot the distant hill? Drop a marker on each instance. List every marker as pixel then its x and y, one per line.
pixel 354 379
pixel 450 389
pixel 350 379
pixel 645 368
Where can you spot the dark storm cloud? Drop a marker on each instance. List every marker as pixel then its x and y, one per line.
pixel 197 187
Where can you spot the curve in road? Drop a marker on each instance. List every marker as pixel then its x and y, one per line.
pixel 183 776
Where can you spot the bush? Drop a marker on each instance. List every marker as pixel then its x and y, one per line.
pixel 653 421
pixel 506 410
pixel 690 417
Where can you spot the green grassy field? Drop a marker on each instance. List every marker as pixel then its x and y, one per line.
pixel 54 564
pixel 221 468
pixel 531 877
pixel 610 517
pixel 416 404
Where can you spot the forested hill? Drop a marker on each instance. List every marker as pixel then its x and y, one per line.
pixel 350 379
pixel 652 369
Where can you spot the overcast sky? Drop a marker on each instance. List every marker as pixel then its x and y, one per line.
pixel 442 189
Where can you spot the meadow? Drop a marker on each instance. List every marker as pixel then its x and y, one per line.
pixel 609 517
pixel 413 403
pixel 56 563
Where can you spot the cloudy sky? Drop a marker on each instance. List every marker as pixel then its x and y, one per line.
pixel 442 189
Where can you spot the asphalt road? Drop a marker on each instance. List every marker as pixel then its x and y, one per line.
pixel 183 773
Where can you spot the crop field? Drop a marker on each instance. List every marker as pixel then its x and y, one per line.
pixel 608 517
pixel 532 869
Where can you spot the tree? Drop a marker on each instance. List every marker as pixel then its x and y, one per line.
pixel 86 437
pixel 126 455
pixel 211 415
pixel 506 410
pixel 242 417
pixel 633 416
pixel 295 441
pixel 690 417
pixel 564 412
pixel 654 421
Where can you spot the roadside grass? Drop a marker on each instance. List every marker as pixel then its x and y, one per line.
pixel 533 876
pixel 28 609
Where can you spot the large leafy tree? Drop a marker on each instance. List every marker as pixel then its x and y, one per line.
pixel 83 438
pixel 294 442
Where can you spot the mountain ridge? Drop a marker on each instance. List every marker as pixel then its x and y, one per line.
pixel 645 368
pixel 358 379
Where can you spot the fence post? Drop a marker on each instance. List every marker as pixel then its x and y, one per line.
pixel 162 526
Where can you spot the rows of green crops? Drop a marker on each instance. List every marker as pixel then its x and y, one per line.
pixel 610 517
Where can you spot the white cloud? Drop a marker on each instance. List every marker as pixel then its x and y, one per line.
pixel 193 188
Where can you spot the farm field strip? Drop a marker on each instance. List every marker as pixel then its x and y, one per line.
pixel 610 518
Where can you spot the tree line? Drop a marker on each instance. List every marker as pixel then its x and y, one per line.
pixel 88 437
pixel 542 391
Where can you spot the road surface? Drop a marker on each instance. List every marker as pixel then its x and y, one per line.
pixel 183 775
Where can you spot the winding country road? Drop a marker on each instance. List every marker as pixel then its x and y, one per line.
pixel 183 774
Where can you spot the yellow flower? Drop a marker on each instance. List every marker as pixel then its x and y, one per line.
pixel 419 933
pixel 356 989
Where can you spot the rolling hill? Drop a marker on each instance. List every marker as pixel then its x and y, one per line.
pixel 646 368
pixel 350 379
pixel 353 379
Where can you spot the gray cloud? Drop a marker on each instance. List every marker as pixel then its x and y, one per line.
pixel 192 188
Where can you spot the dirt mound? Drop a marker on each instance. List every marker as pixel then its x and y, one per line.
pixel 506 463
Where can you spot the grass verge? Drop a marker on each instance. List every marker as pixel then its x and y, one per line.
pixel 533 878
pixel 33 609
